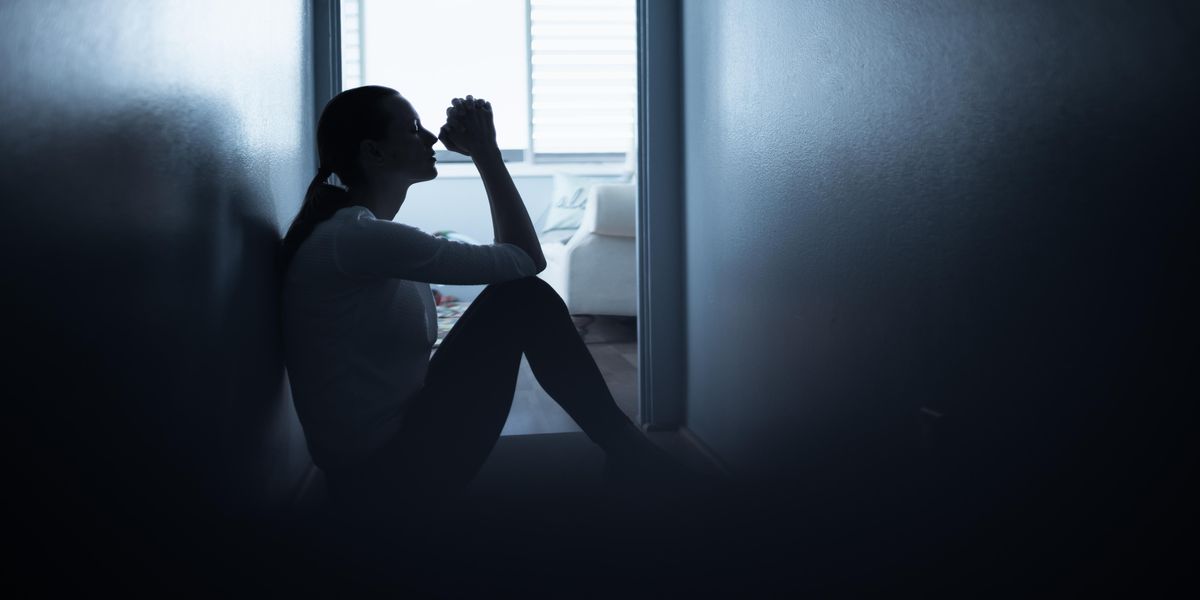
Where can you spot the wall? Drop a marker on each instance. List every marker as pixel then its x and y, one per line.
pixel 151 152
pixel 982 209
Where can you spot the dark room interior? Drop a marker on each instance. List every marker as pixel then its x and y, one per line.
pixel 934 271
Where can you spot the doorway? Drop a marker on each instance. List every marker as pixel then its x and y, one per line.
pixel 562 77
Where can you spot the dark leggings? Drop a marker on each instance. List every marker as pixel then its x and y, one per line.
pixel 455 420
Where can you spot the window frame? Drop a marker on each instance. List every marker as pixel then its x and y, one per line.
pixel 330 17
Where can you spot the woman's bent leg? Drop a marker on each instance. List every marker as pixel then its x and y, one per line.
pixel 479 359
pixel 565 368
pixel 456 419
pixel 472 379
pixel 451 425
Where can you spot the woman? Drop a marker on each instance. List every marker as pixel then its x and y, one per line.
pixel 389 425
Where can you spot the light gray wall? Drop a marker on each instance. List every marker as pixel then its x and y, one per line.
pixel 981 208
pixel 151 153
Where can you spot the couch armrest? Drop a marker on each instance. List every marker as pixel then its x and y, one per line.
pixel 611 210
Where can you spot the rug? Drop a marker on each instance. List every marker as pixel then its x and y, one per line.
pixel 447 315
pixel 593 330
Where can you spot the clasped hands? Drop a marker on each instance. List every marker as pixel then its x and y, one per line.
pixel 469 127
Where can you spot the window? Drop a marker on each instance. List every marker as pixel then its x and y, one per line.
pixel 562 74
pixel 584 73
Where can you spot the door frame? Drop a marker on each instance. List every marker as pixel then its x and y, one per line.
pixel 326 27
pixel 662 361
pixel 661 308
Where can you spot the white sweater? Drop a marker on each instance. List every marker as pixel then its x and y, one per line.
pixel 359 322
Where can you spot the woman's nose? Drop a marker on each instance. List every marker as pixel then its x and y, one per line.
pixel 430 139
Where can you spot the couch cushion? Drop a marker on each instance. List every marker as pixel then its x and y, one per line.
pixel 566 209
pixel 612 210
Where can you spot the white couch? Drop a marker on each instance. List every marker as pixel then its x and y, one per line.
pixel 596 271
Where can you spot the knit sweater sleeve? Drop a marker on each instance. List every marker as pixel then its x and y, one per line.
pixel 369 248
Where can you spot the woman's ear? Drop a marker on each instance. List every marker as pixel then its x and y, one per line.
pixel 370 152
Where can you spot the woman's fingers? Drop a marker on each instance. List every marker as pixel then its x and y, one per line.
pixel 469 103
pixel 446 135
pixel 468 122
pixel 472 103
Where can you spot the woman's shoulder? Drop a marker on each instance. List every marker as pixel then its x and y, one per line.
pixel 361 218
pixel 344 216
pixel 354 211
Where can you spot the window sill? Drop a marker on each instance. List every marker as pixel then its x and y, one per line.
pixel 526 169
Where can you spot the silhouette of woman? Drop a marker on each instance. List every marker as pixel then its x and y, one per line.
pixel 391 427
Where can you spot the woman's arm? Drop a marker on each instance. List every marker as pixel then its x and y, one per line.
pixel 470 130
pixel 364 247
pixel 510 218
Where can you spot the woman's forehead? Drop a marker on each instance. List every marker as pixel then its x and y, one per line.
pixel 402 109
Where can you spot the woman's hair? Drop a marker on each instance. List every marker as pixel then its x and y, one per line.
pixel 350 117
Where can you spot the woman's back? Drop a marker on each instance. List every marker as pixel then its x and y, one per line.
pixel 356 347
pixel 360 322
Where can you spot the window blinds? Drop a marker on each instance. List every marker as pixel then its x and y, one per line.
pixel 352 63
pixel 583 56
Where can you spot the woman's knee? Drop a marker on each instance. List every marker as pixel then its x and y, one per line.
pixel 528 288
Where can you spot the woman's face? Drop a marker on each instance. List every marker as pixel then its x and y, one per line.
pixel 406 151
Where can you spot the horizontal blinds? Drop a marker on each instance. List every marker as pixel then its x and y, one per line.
pixel 352 63
pixel 584 76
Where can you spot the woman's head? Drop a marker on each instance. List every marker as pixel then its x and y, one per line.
pixel 369 137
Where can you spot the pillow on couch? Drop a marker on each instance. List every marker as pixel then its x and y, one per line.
pixel 565 213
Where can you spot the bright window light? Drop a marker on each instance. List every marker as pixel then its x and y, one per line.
pixel 431 52
pixel 561 74
pixel 584 57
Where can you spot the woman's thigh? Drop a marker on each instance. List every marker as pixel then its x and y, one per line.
pixel 472 376
pixel 455 420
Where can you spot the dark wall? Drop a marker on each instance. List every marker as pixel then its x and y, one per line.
pixel 984 209
pixel 151 154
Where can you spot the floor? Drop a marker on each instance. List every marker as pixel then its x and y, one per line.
pixel 537 420
pixel 613 344
pixel 539 516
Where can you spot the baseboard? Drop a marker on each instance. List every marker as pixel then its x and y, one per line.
pixel 708 453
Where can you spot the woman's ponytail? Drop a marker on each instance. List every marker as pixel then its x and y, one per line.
pixel 350 117
pixel 321 201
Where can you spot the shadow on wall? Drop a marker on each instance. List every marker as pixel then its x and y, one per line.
pixel 143 308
